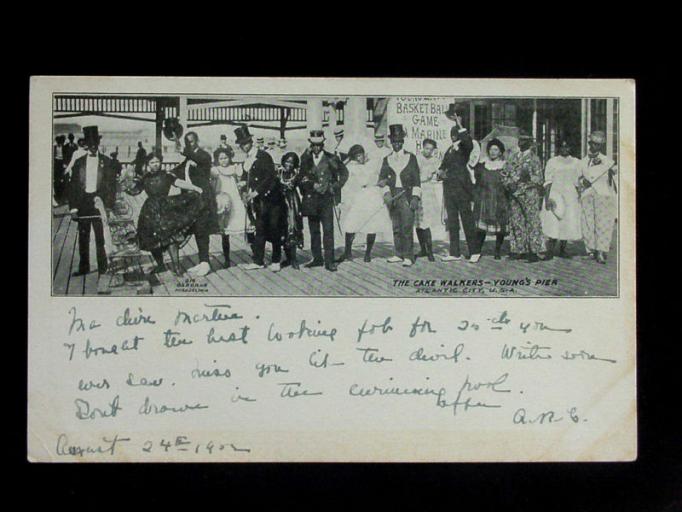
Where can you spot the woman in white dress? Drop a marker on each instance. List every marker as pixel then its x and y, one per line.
pixel 561 213
pixel 232 217
pixel 428 215
pixel 362 208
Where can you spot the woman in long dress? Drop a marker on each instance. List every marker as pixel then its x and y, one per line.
pixel 491 206
pixel 522 177
pixel 232 217
pixel 288 177
pixel 165 222
pixel 363 209
pixel 561 213
pixel 428 215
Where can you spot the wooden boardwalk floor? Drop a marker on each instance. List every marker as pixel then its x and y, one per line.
pixel 575 276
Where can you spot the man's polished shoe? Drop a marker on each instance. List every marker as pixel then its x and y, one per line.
pixel 532 258
pixel 81 272
pixel 331 267
pixel 314 263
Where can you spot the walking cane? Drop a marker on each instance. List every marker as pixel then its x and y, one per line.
pixel 337 216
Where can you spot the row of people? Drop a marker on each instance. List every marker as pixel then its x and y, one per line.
pixel 267 202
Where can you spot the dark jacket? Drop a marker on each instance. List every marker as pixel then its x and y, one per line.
pixel 200 175
pixel 409 176
pixel 330 174
pixel 262 178
pixel 68 150
pixel 457 179
pixel 106 182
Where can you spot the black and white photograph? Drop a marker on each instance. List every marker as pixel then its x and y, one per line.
pixel 213 195
pixel 331 270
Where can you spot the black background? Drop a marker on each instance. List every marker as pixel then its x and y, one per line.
pixel 588 44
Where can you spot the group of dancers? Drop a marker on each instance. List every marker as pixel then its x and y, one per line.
pixel 367 192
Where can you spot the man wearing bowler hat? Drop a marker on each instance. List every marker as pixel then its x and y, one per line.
pixel 264 200
pixel 458 187
pixel 399 175
pixel 93 179
pixel 321 179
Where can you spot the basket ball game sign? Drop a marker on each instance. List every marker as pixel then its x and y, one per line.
pixel 422 118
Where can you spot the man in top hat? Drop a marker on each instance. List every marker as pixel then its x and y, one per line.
pixel 598 198
pixel 196 168
pixel 93 177
pixel 458 188
pixel 320 180
pixel 264 199
pixel 223 146
pixel 399 175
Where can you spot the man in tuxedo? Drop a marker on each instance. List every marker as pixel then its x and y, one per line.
pixel 458 188
pixel 93 178
pixel 399 175
pixel 321 179
pixel 196 168
pixel 264 200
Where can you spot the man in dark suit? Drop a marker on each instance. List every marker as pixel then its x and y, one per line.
pixel 264 201
pixel 140 159
pixel 196 168
pixel 92 193
pixel 69 149
pixel 399 175
pixel 58 178
pixel 320 180
pixel 458 188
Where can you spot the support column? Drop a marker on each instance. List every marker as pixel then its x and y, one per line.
pixel 314 114
pixel 609 128
pixel 182 112
pixel 159 126
pixel 472 119
pixel 355 117
pixel 584 125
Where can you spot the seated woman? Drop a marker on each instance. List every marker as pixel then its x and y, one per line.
pixel 288 176
pixel 363 209
pixel 232 216
pixel 165 222
pixel 491 206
